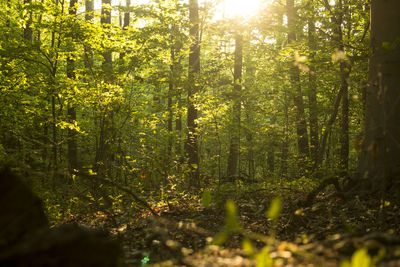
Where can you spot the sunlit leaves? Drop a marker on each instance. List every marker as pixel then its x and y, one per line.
pixel 247 246
pixel 274 209
pixel 360 258
pixel 263 258
pixel 231 216
pixel 339 56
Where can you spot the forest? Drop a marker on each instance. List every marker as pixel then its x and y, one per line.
pixel 200 133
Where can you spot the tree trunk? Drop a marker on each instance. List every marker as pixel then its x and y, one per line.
pixel 103 157
pixel 380 160
pixel 312 91
pixel 89 9
pixel 344 124
pixel 285 138
pixel 191 146
pixel 72 143
pixel 28 32
pixel 106 24
pixel 328 128
pixel 126 23
pixel 169 105
pixel 301 124
pixel 248 106
pixel 233 158
pixel 344 87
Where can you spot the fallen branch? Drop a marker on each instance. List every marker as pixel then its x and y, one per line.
pixel 143 203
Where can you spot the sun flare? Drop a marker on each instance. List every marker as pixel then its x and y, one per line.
pixel 242 8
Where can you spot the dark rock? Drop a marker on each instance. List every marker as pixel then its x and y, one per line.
pixel 67 245
pixel 26 240
pixel 21 212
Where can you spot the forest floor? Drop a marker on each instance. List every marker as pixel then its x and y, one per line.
pixel 330 232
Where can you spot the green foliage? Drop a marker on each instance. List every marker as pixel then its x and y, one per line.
pixel 263 258
pixel 274 209
pixel 361 258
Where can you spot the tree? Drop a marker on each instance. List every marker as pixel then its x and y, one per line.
pixel 71 110
pixel 312 90
pixel 103 152
pixel 301 124
pixel 28 27
pixel 126 23
pixel 191 146
pixel 233 158
pixel 380 161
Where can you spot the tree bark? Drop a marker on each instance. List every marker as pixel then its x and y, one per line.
pixel 103 157
pixel 344 123
pixel 126 23
pixel 344 87
pixel 28 32
pixel 106 24
pixel 171 87
pixel 88 56
pixel 301 124
pixel 191 145
pixel 233 158
pixel 71 111
pixel 312 93
pixel 380 161
pixel 328 128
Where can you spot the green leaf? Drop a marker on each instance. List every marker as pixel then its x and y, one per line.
pixel 231 216
pixel 230 207
pixel 220 238
pixel 206 199
pixel 247 246
pixel 345 263
pixel 274 209
pixel 263 258
pixel 361 258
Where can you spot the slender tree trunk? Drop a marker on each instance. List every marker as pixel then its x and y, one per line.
pixel 312 91
pixel 233 158
pixel 53 101
pixel 103 157
pixel 285 138
pixel 344 124
pixel 250 156
pixel 301 124
pixel 271 150
pixel 55 138
pixel 106 24
pixel 344 87
pixel 191 145
pixel 248 105
pixel 169 105
pixel 328 128
pixel 88 56
pixel 178 125
pixel 126 23
pixel 39 22
pixel 28 32
pixel 72 143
